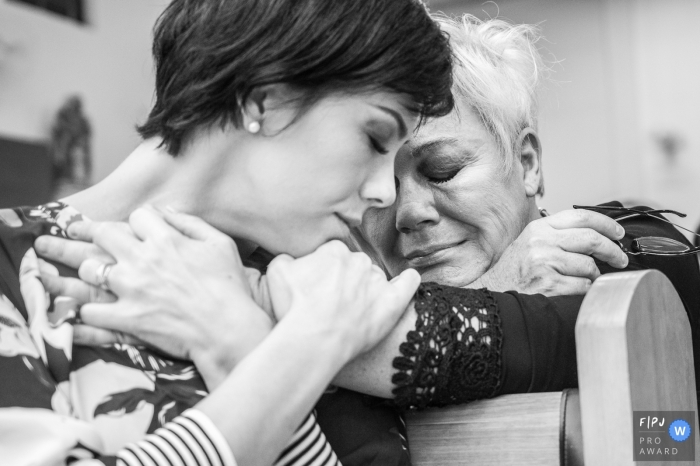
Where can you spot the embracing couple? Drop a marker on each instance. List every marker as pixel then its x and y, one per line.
pixel 289 142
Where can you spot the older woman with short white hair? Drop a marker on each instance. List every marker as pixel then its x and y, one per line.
pixel 466 211
pixel 466 215
pixel 467 182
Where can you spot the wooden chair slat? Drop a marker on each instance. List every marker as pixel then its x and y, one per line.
pixel 511 429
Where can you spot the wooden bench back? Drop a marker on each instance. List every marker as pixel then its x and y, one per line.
pixel 634 353
pixel 510 429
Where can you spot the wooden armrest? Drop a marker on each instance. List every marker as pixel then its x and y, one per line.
pixel 634 353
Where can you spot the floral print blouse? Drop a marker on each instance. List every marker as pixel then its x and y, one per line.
pixel 60 403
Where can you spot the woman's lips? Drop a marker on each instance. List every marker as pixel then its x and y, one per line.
pixel 347 224
pixel 353 221
pixel 422 258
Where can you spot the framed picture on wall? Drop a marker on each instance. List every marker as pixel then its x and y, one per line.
pixel 73 9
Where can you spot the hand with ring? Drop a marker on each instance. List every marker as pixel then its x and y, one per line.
pixel 102 276
pixel 180 284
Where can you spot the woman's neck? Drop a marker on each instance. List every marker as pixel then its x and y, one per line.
pixel 150 175
pixel 139 180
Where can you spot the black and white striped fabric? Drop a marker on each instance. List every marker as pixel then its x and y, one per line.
pixel 308 447
pixel 193 440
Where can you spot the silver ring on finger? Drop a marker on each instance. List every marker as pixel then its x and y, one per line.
pixel 102 276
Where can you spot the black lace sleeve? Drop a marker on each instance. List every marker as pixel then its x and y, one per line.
pixel 475 344
pixel 454 354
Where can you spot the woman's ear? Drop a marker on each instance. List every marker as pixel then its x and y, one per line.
pixel 268 109
pixel 528 143
pixel 253 110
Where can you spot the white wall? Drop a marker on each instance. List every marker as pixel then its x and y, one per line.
pixel 107 62
pixel 629 71
pixel 668 61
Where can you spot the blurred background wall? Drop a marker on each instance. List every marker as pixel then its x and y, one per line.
pixel 620 119
pixel 45 58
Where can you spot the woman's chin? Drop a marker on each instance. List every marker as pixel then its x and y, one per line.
pixel 304 246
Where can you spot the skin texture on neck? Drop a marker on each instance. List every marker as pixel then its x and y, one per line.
pixel 150 175
pixel 533 209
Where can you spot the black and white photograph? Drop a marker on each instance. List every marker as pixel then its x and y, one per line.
pixel 349 232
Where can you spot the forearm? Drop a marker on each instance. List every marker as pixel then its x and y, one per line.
pixel 521 342
pixel 264 400
pixel 217 360
pixel 371 372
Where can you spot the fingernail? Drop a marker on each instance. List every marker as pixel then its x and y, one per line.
pixel 159 210
pixel 72 230
pixel 41 245
pixel 620 231
pixel 171 209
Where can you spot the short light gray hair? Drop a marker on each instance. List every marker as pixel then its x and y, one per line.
pixel 497 71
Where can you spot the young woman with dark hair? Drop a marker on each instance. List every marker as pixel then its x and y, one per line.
pixel 208 71
pixel 276 121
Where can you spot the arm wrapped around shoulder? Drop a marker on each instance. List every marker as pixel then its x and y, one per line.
pixel 475 344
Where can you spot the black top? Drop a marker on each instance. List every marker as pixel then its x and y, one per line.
pixel 472 344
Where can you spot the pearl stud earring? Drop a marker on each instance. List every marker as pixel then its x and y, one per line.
pixel 254 127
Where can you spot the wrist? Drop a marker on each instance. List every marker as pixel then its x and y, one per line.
pixel 221 351
pixel 212 371
pixel 332 341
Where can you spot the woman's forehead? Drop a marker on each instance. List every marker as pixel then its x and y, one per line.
pixel 447 135
pixel 461 121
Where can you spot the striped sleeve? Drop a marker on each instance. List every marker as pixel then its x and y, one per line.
pixel 191 439
pixel 308 447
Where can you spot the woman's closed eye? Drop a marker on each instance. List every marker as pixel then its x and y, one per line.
pixel 441 168
pixel 377 146
pixel 440 174
pixel 442 177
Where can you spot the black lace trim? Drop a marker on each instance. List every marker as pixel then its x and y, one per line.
pixel 454 354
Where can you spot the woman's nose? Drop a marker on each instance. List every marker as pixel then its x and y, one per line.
pixel 379 189
pixel 415 207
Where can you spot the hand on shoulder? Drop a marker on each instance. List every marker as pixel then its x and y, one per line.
pixel 555 255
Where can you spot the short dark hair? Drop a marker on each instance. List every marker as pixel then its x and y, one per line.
pixel 210 54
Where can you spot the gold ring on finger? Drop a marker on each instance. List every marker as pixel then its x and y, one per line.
pixel 102 276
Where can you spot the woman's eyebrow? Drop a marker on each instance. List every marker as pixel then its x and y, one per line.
pixel 399 119
pixel 426 148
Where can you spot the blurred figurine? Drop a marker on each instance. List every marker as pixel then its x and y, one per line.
pixel 70 147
